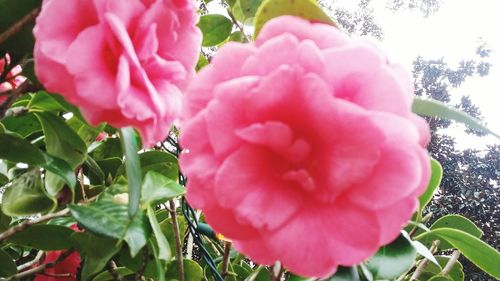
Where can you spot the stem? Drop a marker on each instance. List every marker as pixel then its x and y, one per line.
pixel 451 262
pixel 225 259
pixel 25 224
pixel 29 264
pixel 140 272
pixel 112 270
pixel 178 245
pixel 277 271
pixel 240 27
pixel 39 268
pixel 421 266
pixel 16 27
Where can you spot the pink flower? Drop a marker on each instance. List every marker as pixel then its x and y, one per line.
pixel 122 62
pixel 302 147
pixel 12 80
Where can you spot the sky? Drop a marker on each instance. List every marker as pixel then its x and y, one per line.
pixel 452 33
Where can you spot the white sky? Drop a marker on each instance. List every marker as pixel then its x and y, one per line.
pixel 453 33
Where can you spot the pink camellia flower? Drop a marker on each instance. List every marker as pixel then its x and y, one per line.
pixel 302 147
pixel 12 80
pixel 122 62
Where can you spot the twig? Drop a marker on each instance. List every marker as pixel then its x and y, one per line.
pixel 240 27
pixel 178 245
pixel 421 266
pixel 112 270
pixel 12 96
pixel 140 272
pixel 18 26
pixel 451 262
pixel 225 259
pixel 39 268
pixel 277 271
pixel 29 264
pixel 25 224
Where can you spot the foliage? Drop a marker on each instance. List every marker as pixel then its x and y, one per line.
pixel 55 172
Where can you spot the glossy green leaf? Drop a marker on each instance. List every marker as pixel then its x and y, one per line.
pixel 131 146
pixel 108 148
pixel 202 62
pixel 157 188
pixel 107 218
pixel 25 196
pixel 106 276
pixel 60 168
pixel 249 7
pixel 441 278
pixel 434 108
pixel 161 162
pixel 44 237
pixel 11 146
pixel 215 28
pixel 61 141
pixel 8 266
pixel 192 270
pixel 307 9
pixel 430 270
pixel 23 125
pixel 392 260
pixel 3 179
pixel 164 252
pixel 96 251
pixel 135 263
pixel 436 176
pixel 450 221
pixel 43 101
pixel 477 251
pixel 93 171
pixel 344 274
pixel 4 220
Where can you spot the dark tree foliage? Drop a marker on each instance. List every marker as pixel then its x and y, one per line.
pixel 470 185
pixel 426 7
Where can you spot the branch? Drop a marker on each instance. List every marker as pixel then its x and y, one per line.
pixel 29 264
pixel 39 268
pixel 25 224
pixel 421 266
pixel 18 26
pixel 112 270
pixel 225 259
pixel 451 262
pixel 178 245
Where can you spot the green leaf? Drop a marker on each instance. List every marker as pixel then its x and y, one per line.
pixel 434 108
pixel 344 274
pixel 436 176
pixel 135 263
pixel 4 220
pixel 430 270
pixel 44 237
pixel 441 278
pixel 42 101
pixel 60 168
pixel 8 267
pixel 215 28
pixel 62 142
pixel 249 7
pixel 23 125
pixel 109 148
pixel 106 276
pixel 161 162
pixel 96 251
pixel 192 270
pixel 164 248
pixel 107 218
pixel 478 252
pixel 392 260
pixel 19 150
pixel 3 178
pixel 450 221
pixel 130 146
pixel 158 189
pixel 25 196
pixel 307 9
pixel 202 62
pixel 93 171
